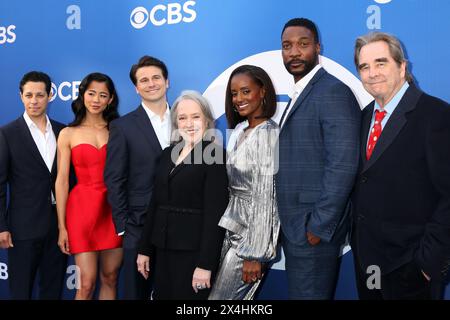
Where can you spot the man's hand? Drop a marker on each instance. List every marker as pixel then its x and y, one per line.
pixel 312 239
pixel 5 240
pixel 251 271
pixel 143 265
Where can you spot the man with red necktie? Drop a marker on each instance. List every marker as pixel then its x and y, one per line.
pixel 401 199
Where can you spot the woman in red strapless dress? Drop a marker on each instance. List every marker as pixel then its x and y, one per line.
pixel 85 222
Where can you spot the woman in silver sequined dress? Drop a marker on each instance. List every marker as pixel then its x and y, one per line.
pixel 251 218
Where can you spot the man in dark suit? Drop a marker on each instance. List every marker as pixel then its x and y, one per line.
pixel 401 201
pixel 135 144
pixel 318 147
pixel 28 220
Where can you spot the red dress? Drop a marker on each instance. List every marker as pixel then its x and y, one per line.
pixel 88 214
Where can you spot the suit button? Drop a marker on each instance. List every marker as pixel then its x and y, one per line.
pixel 360 217
pixel 364 179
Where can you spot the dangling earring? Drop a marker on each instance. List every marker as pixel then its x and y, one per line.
pixel 235 109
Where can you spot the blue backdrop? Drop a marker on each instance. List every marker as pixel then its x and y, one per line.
pixel 201 41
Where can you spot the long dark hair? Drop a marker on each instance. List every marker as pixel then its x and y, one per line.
pixel 79 108
pixel 262 79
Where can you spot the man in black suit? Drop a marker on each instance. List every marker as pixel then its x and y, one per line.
pixel 401 200
pixel 28 223
pixel 135 144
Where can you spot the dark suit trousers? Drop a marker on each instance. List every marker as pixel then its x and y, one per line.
pixel 404 283
pixel 135 285
pixel 27 258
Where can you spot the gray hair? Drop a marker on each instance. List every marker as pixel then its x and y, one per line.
pixel 205 107
pixel 395 48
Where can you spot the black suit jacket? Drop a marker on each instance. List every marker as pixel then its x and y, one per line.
pixel 132 154
pixel 401 200
pixel 29 214
pixel 187 205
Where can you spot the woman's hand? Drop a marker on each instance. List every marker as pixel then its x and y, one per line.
pixel 201 279
pixel 143 265
pixel 251 271
pixel 63 241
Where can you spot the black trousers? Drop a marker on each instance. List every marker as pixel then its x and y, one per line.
pixel 404 283
pixel 135 286
pixel 37 256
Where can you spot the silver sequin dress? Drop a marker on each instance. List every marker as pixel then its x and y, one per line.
pixel 251 218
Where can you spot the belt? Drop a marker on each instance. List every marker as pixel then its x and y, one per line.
pixel 181 210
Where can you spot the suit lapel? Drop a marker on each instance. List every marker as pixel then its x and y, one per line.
pixel 145 125
pixel 28 141
pixel 365 127
pixel 305 92
pixel 395 123
pixel 56 130
pixel 176 169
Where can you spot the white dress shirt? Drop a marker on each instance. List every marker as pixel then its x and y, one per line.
pixel 298 89
pixel 162 127
pixel 389 108
pixel 45 142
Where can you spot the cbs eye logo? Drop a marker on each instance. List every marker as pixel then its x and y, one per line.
pixel 139 17
pixel 7 34
pixel 161 14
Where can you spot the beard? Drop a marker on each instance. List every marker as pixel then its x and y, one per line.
pixel 299 73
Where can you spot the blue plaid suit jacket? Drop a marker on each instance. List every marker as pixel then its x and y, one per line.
pixel 318 161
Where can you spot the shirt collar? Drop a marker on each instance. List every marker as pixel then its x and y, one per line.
pixel 303 82
pixel 390 107
pixel 31 124
pixel 153 115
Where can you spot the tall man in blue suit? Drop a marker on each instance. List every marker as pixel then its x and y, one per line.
pixel 319 149
pixel 28 224
pixel 401 201
pixel 135 144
